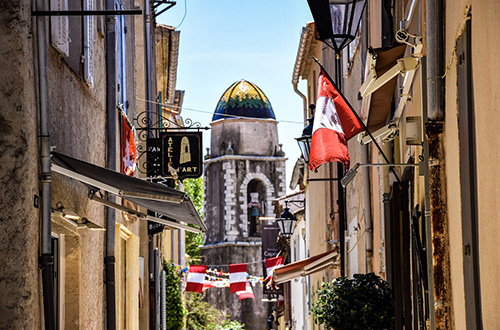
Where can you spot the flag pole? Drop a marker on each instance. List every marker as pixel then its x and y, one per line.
pixel 391 168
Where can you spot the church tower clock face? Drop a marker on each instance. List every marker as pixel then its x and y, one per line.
pixel 244 172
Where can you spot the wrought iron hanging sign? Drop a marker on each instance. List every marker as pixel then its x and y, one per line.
pixel 172 148
pixel 181 154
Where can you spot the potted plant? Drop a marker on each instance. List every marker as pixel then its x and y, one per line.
pixel 364 302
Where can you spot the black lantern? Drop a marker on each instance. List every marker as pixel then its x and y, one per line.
pixel 286 222
pixel 305 140
pixel 337 20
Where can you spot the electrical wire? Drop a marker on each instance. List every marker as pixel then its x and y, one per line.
pixel 183 17
pixel 211 112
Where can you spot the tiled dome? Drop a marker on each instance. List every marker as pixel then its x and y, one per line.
pixel 243 99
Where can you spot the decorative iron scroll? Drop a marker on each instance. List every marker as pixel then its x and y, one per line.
pixel 150 126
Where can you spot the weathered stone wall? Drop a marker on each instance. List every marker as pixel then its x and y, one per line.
pixel 226 182
pixel 20 295
pixel 252 312
pixel 251 137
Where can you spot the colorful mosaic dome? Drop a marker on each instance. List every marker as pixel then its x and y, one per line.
pixel 243 99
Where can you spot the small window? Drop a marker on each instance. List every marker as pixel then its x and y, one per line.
pixel 80 37
pixel 59 27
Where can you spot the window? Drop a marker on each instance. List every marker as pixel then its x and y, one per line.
pixel 122 292
pixel 256 206
pixel 88 44
pixel 74 37
pixel 59 27
pixel 127 281
pixel 58 254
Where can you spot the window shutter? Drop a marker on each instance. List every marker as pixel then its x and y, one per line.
pixel 88 45
pixel 59 27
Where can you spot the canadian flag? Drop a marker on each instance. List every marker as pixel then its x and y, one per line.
pixel 195 278
pixel 237 277
pixel 247 293
pixel 334 124
pixel 129 151
pixel 272 264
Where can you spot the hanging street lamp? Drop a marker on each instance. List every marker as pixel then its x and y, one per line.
pixel 305 140
pixel 337 21
pixel 286 222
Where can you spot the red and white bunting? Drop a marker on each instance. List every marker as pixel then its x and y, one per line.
pixel 237 277
pixel 247 293
pixel 272 264
pixel 195 278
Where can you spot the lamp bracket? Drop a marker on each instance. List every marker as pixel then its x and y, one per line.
pixel 403 37
pixel 302 202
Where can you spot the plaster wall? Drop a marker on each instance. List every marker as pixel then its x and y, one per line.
pixel 486 93
pixel 20 289
pixel 485 26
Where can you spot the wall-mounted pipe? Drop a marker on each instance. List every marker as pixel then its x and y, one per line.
pixel 46 258
pixel 148 58
pixel 305 40
pixel 434 37
pixel 367 206
pixel 111 126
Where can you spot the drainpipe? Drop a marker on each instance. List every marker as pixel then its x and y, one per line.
pixel 111 113
pixel 367 206
pixel 436 216
pixel 46 259
pixel 304 100
pixel 434 36
pixel 301 57
pixel 147 45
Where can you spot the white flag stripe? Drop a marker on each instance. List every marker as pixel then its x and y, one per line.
pixel 326 115
pixel 195 277
pixel 270 269
pixel 238 277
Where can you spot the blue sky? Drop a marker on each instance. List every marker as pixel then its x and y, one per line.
pixel 225 41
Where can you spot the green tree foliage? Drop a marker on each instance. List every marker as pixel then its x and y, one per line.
pixel 194 188
pixel 174 304
pixel 364 302
pixel 200 315
pixel 231 325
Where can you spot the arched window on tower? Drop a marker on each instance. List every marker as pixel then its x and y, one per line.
pixel 256 206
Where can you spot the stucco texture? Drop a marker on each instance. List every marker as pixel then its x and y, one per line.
pixel 485 49
pixel 20 294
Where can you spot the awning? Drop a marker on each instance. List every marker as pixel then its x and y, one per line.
pixel 305 267
pixel 174 205
pixel 377 105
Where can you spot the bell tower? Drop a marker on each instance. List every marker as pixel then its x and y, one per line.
pixel 244 173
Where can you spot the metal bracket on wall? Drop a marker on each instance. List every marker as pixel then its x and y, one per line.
pixel 323 179
pixel 158 3
pixel 137 11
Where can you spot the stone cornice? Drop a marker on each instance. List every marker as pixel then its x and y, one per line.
pixel 241 157
pixel 222 244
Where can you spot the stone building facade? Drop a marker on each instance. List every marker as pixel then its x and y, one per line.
pixel 86 101
pixel 244 173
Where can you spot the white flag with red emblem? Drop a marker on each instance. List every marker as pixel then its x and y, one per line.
pixel 334 124
pixel 129 151
pixel 195 278
pixel 247 293
pixel 237 277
